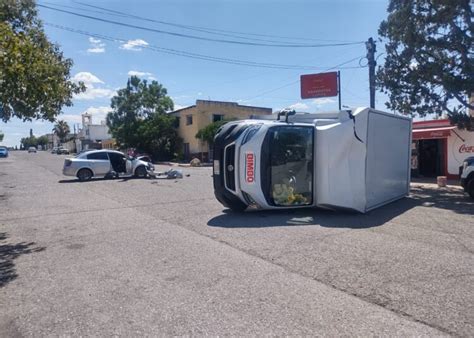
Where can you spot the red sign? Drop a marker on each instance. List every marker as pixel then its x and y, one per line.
pixel 318 85
pixel 466 149
pixel 433 133
pixel 249 167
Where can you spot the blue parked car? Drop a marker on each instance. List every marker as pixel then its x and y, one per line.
pixel 3 152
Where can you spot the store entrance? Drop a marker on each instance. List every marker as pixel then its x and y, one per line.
pixel 431 157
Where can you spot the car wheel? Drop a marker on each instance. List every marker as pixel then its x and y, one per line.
pixel 84 175
pixel 470 188
pixel 140 172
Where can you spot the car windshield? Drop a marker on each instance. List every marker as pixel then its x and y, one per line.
pixel 290 166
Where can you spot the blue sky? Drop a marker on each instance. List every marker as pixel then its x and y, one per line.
pixel 106 59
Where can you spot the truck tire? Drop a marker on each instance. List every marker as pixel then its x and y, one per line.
pixel 470 188
pixel 236 205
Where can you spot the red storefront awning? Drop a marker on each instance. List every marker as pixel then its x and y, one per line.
pixel 432 133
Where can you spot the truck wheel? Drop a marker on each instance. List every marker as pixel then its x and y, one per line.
pixel 237 206
pixel 470 188
pixel 140 172
pixel 84 175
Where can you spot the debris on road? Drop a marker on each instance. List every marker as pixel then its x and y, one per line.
pixel 170 174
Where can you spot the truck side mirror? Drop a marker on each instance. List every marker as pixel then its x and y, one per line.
pixel 289 113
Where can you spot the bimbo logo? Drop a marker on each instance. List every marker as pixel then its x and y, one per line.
pixel 466 149
pixel 249 167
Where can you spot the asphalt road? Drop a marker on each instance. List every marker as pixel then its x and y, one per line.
pixel 148 257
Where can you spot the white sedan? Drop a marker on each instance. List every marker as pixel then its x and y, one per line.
pixel 105 163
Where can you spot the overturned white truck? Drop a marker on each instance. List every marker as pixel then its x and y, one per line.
pixel 356 159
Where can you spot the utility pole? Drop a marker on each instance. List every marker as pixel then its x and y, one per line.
pixel 371 49
pixel 339 87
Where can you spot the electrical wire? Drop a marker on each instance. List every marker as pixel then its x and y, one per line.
pixel 274 70
pixel 193 55
pixel 198 37
pixel 297 81
pixel 240 35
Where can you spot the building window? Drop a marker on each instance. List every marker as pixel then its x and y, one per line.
pixel 217 117
pixel 189 120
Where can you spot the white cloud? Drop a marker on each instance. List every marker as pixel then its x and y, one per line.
pixel 98 113
pixel 134 45
pixel 70 118
pixel 87 78
pixel 413 65
pixel 97 46
pixel 299 106
pixel 322 101
pixel 93 93
pixel 96 50
pixel 178 106
pixel 139 74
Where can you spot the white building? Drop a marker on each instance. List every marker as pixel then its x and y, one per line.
pixel 91 135
pixel 439 148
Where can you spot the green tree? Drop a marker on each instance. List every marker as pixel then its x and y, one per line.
pixel 30 141
pixel 61 129
pixel 208 133
pixel 138 118
pixel 429 66
pixel 34 74
pixel 42 141
pixel 1 136
pixel 158 136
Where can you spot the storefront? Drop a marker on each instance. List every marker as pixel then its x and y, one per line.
pixel 438 148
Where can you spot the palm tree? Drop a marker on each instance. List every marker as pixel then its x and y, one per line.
pixel 61 129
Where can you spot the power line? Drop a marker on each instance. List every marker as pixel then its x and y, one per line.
pixel 198 37
pixel 294 82
pixel 193 55
pixel 83 9
pixel 240 35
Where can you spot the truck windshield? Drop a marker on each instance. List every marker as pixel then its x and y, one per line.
pixel 287 166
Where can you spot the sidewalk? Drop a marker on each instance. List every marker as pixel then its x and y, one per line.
pixel 432 181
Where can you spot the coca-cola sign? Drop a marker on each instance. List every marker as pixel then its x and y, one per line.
pixel 464 148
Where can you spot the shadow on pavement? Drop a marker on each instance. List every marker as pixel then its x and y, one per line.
pixel 8 253
pixel 444 198
pixel 451 199
pixel 101 179
pixel 75 180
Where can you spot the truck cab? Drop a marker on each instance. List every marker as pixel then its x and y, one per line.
pixel 312 160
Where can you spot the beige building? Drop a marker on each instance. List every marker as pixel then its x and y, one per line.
pixel 193 118
pixel 109 144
